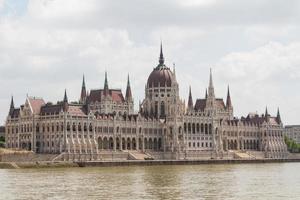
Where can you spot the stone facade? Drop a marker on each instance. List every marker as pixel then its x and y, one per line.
pixel 104 120
pixel 293 132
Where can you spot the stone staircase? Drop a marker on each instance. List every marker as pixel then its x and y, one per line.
pixel 248 154
pixel 137 155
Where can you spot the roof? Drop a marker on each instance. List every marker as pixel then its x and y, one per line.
pixel 15 113
pixel 77 110
pixel 200 104
pixel 220 104
pixel 51 109
pixel 116 95
pixel 36 104
pixel 160 76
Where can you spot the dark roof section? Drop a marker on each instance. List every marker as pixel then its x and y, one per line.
pixel 116 95
pixel 161 76
pixel 200 105
pixel 49 109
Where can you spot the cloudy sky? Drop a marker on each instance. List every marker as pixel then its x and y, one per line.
pixel 254 46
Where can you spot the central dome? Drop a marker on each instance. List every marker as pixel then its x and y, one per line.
pixel 161 75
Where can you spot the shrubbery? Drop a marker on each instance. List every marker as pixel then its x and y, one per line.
pixel 293 147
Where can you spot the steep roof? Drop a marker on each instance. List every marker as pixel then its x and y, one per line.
pixel 36 104
pixel 200 104
pixel 116 95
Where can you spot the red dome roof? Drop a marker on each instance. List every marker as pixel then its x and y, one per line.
pixel 160 76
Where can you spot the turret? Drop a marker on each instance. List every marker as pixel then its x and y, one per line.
pixel 83 94
pixel 128 91
pixel 190 101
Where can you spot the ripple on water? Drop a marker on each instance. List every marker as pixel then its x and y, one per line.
pixel 241 181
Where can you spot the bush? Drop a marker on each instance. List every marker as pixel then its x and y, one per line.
pixel 292 146
pixel 2 139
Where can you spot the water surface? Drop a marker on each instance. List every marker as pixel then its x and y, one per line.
pixel 238 181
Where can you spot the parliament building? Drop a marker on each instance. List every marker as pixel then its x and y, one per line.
pixel 104 121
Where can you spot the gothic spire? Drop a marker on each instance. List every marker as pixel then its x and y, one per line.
pixel 65 97
pixel 65 102
pixel 161 56
pixel 228 100
pixel 278 118
pixel 190 102
pixel 106 90
pixel 12 106
pixel 83 91
pixel 128 90
pixel 211 92
pixel 266 114
pixel 206 93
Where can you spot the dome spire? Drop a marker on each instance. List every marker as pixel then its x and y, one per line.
pixel 161 56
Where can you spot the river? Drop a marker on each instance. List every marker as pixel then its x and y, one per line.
pixel 237 181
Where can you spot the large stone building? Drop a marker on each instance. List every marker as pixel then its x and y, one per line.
pixel 293 132
pixel 163 128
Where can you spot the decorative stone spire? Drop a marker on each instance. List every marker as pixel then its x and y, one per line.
pixel 65 97
pixel 228 100
pixel 128 91
pixel 190 102
pixel 83 92
pixel 278 118
pixel 211 92
pixel 106 90
pixel 266 114
pixel 161 56
pixel 206 93
pixel 65 102
pixel 12 106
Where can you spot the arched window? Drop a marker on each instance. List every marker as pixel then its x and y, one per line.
pixel 162 109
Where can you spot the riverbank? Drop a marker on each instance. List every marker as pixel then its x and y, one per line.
pixel 25 165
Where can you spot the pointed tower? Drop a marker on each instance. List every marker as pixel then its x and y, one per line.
pixel 12 106
pixel 266 114
pixel 228 100
pixel 161 56
pixel 278 118
pixel 65 102
pixel 128 91
pixel 83 92
pixel 229 106
pixel 106 89
pixel 211 90
pixel 210 100
pixel 206 93
pixel 190 102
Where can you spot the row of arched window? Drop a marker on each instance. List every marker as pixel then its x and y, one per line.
pixel 197 128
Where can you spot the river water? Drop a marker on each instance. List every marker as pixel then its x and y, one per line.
pixel 238 181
